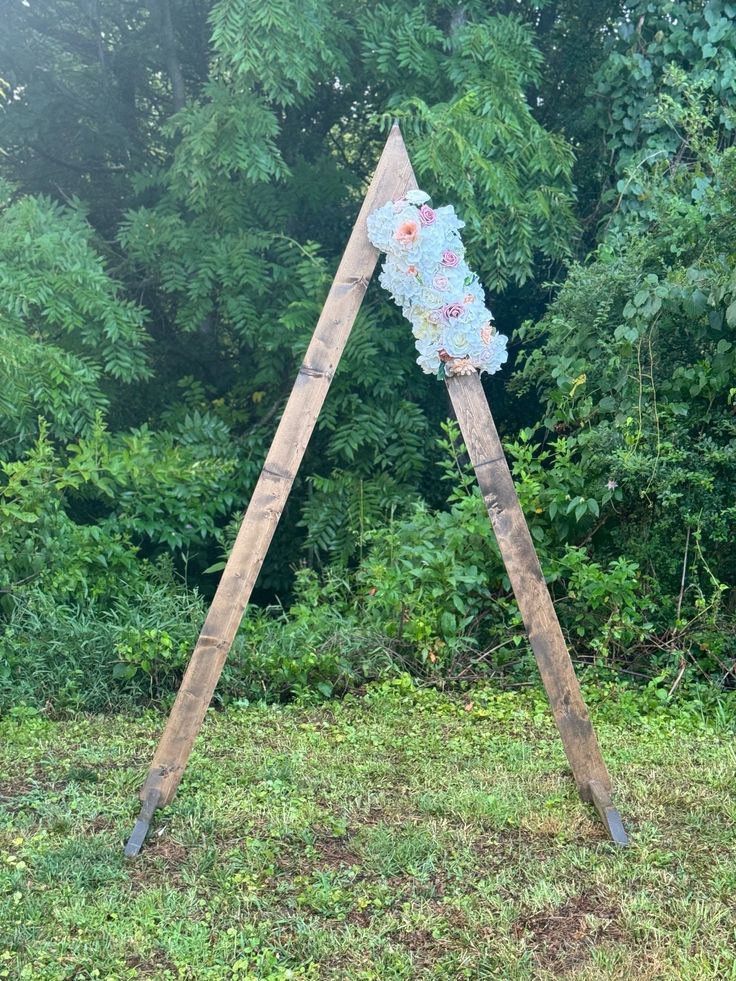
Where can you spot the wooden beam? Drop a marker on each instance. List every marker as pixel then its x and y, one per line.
pixel 527 581
pixel 392 178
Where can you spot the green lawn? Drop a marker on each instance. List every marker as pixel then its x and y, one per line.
pixel 398 835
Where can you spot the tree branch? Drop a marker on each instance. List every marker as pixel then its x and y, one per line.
pixel 167 43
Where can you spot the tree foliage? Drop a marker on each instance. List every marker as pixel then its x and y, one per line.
pixel 179 181
pixel 473 134
pixel 64 325
pixel 668 65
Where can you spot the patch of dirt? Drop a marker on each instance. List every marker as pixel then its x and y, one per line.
pixel 424 946
pixel 360 917
pixel 165 848
pixel 13 788
pixel 149 968
pixel 100 824
pixel 336 853
pixel 44 778
pixel 161 857
pixel 17 793
pixel 562 939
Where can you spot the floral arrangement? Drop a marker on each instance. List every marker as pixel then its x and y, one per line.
pixel 426 274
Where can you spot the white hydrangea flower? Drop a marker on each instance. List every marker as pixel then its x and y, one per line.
pixel 417 197
pixel 429 362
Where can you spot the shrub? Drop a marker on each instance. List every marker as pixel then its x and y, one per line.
pixel 88 656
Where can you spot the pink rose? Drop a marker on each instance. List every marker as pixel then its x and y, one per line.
pixel 450 259
pixel 452 310
pixel 440 282
pixel 426 215
pixel 469 298
pixel 486 333
pixel 407 233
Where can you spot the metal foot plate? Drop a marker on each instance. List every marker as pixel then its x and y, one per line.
pixel 608 814
pixel 140 830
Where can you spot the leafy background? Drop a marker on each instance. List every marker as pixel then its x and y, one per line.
pixel 177 183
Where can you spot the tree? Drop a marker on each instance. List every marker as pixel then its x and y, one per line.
pixel 65 329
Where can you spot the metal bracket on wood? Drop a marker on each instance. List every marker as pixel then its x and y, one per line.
pixel 138 836
pixel 607 813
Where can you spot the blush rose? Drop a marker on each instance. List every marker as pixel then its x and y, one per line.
pixel 407 233
pixel 426 215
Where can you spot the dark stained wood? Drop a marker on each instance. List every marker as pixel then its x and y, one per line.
pixel 392 178
pixel 531 592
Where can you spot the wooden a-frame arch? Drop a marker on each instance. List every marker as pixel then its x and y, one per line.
pixel 392 179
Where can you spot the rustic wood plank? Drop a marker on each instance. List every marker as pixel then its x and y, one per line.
pixel 392 178
pixel 527 581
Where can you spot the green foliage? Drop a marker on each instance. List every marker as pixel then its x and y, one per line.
pixel 313 651
pixel 245 183
pixel 72 522
pixel 637 366
pixel 39 540
pixel 374 435
pixel 473 136
pixel 182 181
pixel 635 360
pixel 604 610
pixel 342 509
pixel 64 327
pixel 236 139
pixel 88 92
pixel 220 138
pixel 669 63
pixel 131 647
pixel 282 50
pixel 97 654
pixel 435 585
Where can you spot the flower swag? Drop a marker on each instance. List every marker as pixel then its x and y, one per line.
pixel 426 274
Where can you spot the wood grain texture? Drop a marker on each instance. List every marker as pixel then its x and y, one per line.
pixel 392 178
pixel 527 581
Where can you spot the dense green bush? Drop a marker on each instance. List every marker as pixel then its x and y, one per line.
pixel 101 654
pixel 666 63
pixel 429 596
pixel 435 584
pixel 97 655
pixel 171 214
pixel 635 361
pixel 73 521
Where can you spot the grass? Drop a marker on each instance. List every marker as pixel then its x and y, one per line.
pixel 400 835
